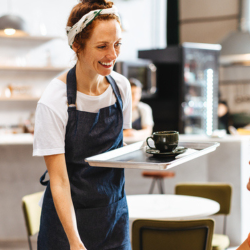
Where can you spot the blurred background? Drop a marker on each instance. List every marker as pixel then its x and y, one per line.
pixel 193 60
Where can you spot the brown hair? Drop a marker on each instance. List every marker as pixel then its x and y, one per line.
pixel 84 7
pixel 135 82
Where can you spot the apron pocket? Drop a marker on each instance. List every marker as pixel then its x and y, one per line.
pixel 104 227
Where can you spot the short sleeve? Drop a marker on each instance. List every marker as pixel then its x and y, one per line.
pixel 49 133
pixel 146 114
pixel 127 110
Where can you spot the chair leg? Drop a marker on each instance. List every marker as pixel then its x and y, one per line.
pixel 30 245
pixel 225 224
pixel 152 186
pixel 161 185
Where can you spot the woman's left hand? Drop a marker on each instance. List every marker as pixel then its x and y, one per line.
pixel 129 132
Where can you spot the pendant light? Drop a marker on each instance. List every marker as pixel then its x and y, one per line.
pixel 12 25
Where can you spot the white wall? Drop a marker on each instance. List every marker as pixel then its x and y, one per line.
pixel 212 30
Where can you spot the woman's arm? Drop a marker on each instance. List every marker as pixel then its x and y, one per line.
pixel 60 189
pixel 141 134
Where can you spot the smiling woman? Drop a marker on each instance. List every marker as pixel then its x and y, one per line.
pixel 82 113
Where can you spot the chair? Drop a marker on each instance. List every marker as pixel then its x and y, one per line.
pixel 32 213
pixel 158 176
pixel 219 192
pixel 172 235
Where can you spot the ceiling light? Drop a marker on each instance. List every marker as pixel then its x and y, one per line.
pixel 12 25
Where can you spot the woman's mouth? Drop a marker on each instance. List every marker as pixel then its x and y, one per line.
pixel 106 64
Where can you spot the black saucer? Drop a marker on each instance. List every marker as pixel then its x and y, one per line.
pixel 158 153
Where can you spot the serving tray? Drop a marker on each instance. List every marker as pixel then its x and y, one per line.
pixel 135 156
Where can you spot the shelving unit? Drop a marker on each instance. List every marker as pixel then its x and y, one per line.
pixel 18 98
pixel 32 50
pixel 32 41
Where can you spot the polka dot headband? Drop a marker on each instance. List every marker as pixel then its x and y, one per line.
pixel 85 21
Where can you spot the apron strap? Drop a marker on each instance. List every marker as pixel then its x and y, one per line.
pixel 115 89
pixel 71 87
pixel 44 183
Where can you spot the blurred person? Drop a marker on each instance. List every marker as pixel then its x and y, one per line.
pixel 142 119
pixel 223 114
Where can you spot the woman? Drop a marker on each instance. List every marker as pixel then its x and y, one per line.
pixel 246 244
pixel 142 119
pixel 82 113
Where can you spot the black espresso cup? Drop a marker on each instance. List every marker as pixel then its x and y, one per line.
pixel 165 141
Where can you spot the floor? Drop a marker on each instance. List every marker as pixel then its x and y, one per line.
pixel 16 245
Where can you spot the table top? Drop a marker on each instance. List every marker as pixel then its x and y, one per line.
pixel 166 206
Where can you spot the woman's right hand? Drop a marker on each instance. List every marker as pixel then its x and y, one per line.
pixel 79 246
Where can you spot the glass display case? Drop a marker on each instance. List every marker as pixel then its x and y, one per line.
pixel 187 87
pixel 200 89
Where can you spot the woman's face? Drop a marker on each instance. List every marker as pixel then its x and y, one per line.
pixel 136 96
pixel 102 49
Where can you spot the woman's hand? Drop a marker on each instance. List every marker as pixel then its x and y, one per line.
pixel 79 246
pixel 129 132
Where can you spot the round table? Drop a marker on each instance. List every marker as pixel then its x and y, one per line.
pixel 171 207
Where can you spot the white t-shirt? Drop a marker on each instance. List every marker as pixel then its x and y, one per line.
pixel 146 114
pixel 52 116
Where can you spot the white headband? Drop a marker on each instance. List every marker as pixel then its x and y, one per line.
pixel 86 20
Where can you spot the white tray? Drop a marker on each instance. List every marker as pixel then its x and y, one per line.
pixel 135 156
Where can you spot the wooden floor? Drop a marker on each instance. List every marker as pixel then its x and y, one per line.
pixel 17 245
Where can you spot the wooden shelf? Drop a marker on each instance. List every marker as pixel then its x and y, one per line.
pixel 16 68
pixel 19 98
pixel 41 39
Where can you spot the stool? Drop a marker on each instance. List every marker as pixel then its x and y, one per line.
pixel 158 177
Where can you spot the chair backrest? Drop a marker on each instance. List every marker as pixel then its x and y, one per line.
pixel 220 192
pixel 172 235
pixel 32 212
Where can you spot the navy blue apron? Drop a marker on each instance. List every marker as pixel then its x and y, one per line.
pixel 98 193
pixel 137 123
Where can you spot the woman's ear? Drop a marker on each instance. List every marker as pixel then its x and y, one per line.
pixel 75 47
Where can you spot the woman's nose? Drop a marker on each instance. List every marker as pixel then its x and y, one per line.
pixel 112 54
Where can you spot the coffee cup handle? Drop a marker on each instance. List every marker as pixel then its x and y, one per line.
pixel 148 143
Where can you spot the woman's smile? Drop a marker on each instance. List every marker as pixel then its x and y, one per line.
pixel 107 64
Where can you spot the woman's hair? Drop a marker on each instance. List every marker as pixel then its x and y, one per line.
pixel 82 8
pixel 135 82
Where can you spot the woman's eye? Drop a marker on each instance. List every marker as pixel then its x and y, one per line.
pixel 118 44
pixel 101 47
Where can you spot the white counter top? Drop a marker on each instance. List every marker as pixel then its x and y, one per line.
pixel 201 138
pixel 10 139
pixel 227 138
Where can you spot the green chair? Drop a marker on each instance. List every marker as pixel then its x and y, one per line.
pixel 172 235
pixel 32 213
pixel 220 192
